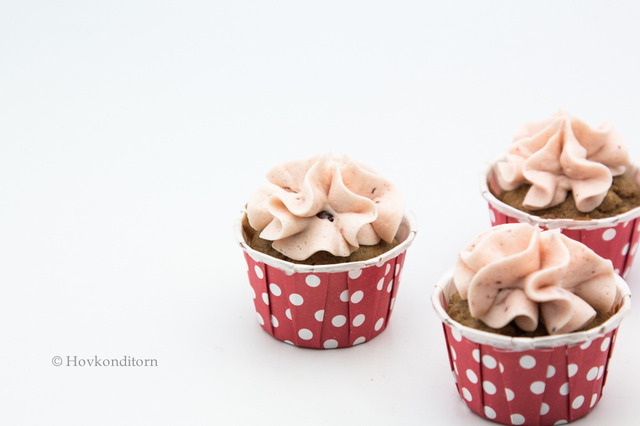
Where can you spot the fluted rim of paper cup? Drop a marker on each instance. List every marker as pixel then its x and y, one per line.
pixel 518 344
pixel 524 217
pixel 408 225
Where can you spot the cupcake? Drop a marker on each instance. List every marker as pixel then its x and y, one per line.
pixel 325 240
pixel 561 173
pixel 530 320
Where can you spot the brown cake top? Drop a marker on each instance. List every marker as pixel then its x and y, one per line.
pixel 623 195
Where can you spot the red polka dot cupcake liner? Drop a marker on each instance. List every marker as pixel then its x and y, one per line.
pixel 326 306
pixel 615 238
pixel 533 381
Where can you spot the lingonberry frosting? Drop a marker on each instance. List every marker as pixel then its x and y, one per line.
pixel 325 203
pixel 517 272
pixel 563 154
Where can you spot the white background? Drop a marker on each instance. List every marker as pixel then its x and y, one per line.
pixel 133 132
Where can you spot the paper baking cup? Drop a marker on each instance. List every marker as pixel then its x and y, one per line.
pixel 326 306
pixel 614 238
pixel 533 381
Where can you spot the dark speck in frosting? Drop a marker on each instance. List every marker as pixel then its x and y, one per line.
pixel 325 215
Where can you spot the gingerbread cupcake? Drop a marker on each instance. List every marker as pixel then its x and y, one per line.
pixel 325 240
pixel 530 321
pixel 561 173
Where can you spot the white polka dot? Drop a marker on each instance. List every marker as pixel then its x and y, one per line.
pixel 260 319
pixel 454 355
pixel 305 334
pixel 617 271
pixel 344 296
pixel 289 342
pixel 489 387
pixel 358 320
pixel 537 387
pixel 390 286
pixel 259 272
pixel 492 216
pixel 591 374
pixel 378 324
pixel 625 249
pixel 359 340
pixel 605 344
pixel 387 269
pixel 501 367
pixel 560 422
pixel 551 371
pixel 476 355
pixel 380 284
pixel 489 412
pixel 577 403
pixel 339 320
pixel 564 389
pixel 634 249
pixel 296 299
pixel 455 333
pixel 585 345
pixel 527 362
pixel 509 393
pixel 455 368
pixel 609 234
pixel 397 269
pixel 253 292
pixel 274 289
pixel 600 372
pixel 472 376
pixel 319 315
pixel 572 369
pixel 274 321
pixel 594 399
pixel 355 273
pixel 265 298
pixel 517 419
pixel 544 409
pixel 287 313
pixel 466 394
pixel 330 344
pixel 489 361
pixel 357 296
pixel 312 280
pixel 393 301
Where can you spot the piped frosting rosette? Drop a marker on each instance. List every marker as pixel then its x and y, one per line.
pixel 563 154
pixel 517 272
pixel 325 203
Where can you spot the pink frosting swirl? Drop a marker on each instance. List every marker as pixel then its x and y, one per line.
pixel 562 154
pixel 325 203
pixel 519 272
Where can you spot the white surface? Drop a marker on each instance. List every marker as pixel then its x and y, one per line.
pixel 131 134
